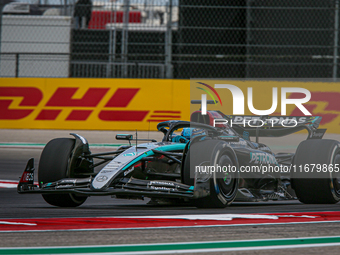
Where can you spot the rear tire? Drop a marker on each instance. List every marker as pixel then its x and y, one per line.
pixel 324 187
pixel 212 152
pixel 53 165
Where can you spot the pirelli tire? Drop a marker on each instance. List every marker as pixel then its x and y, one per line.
pixel 53 166
pixel 210 153
pixel 317 187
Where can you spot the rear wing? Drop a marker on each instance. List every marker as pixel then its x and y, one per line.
pixel 275 126
pixel 266 126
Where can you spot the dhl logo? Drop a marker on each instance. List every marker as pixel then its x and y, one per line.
pixel 19 102
pixel 324 104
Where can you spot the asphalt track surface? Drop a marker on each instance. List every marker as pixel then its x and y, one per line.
pixel 13 205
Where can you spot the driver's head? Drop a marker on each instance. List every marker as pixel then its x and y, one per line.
pixel 192 132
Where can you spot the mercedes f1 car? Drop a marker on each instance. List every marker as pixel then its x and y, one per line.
pixel 171 169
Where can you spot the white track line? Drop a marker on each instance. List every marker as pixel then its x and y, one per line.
pixel 16 223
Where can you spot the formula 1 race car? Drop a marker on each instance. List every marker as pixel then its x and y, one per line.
pixel 183 167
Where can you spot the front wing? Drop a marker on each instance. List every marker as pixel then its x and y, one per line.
pixel 124 187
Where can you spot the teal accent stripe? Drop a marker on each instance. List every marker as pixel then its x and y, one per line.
pixel 177 246
pixel 170 147
pixel 144 154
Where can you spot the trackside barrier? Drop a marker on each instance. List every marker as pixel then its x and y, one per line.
pixel 91 104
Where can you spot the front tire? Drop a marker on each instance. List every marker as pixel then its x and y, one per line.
pixel 324 187
pixel 223 190
pixel 53 164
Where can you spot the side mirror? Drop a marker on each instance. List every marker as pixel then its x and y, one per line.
pixel 124 137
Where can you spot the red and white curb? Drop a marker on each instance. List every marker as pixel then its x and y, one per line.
pixel 8 184
pixel 157 222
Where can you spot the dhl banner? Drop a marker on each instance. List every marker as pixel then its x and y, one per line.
pixel 92 104
pixel 324 101
pixel 129 104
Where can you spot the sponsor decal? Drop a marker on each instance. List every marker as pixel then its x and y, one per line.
pixel 160 116
pixel 27 177
pixel 129 171
pixel 270 120
pixel 111 167
pixel 25 98
pixel 324 104
pixel 106 171
pixel 101 178
pixel 65 97
pixel 264 148
pixel 161 183
pixel 318 134
pixel 106 104
pixel 241 143
pixel 161 188
pixel 262 158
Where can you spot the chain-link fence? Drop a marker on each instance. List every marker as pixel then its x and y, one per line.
pixel 169 38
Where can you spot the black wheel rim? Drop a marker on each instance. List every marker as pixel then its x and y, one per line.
pixel 228 182
pixel 336 175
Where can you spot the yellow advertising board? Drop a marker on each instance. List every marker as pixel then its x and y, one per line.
pixel 92 104
pixel 129 104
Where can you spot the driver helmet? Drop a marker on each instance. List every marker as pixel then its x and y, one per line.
pixel 192 132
